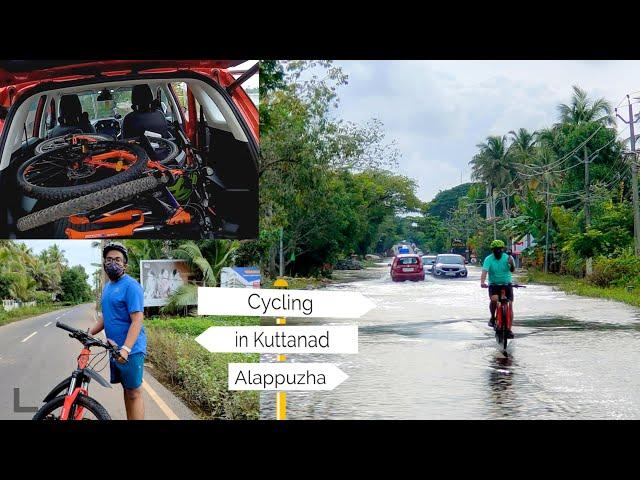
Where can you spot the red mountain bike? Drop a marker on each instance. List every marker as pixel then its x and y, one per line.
pixel 504 317
pixel 70 400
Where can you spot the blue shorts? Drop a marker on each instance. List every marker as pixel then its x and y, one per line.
pixel 128 374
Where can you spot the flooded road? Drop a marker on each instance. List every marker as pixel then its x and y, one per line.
pixel 426 352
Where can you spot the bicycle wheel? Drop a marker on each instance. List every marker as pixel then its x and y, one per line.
pixel 505 322
pixel 80 169
pixel 53 409
pixel 66 140
pixel 87 203
pixel 165 150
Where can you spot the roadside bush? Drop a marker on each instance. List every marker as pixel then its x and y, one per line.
pixel 42 297
pixel 619 271
pixel 201 376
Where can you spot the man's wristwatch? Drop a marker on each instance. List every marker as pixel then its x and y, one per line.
pixel 124 347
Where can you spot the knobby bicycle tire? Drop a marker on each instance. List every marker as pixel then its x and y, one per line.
pixel 73 191
pixel 87 203
pixel 505 326
pixel 58 142
pixel 81 400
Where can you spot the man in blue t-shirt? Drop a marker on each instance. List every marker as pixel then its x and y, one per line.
pixel 122 317
pixel 499 266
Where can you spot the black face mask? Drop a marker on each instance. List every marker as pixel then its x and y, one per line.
pixel 114 271
pixel 497 252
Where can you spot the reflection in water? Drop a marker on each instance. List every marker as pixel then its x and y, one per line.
pixel 501 391
pixel 426 352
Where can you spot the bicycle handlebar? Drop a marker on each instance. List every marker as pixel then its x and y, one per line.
pixel 84 337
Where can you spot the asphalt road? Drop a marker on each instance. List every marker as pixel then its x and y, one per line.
pixel 35 356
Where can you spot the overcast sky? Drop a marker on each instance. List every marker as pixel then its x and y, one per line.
pixel 438 111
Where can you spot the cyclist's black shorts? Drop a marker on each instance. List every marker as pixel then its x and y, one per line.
pixel 495 290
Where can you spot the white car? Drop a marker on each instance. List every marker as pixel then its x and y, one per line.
pixel 427 262
pixel 449 265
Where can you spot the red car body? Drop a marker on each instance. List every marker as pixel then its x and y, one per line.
pixel 407 267
pixel 18 78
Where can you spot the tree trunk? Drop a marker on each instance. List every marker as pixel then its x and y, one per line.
pixel 589 266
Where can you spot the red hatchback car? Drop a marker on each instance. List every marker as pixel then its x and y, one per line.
pixel 128 148
pixel 407 267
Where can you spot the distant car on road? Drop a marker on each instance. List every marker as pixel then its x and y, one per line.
pixel 428 261
pixel 449 265
pixel 407 267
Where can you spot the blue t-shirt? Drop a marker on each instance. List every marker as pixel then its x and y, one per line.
pixel 119 300
pixel 499 270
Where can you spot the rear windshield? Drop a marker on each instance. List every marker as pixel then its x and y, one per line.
pixel 120 104
pixel 450 259
pixel 408 261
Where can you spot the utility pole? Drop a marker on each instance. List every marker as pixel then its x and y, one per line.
pixel 634 177
pixel 587 213
pixel 281 253
pixel 546 242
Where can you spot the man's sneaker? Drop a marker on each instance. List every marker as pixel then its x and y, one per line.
pixel 492 322
pixel 509 334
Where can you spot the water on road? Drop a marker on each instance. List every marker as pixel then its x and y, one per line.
pixel 426 352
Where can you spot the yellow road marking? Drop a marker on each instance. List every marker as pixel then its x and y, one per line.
pixel 156 398
pixel 281 397
pixel 281 405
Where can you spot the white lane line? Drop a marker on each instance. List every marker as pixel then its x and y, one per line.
pixel 156 398
pixel 48 324
pixel 57 317
pixel 28 337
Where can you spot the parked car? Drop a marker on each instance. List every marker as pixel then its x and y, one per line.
pixel 407 267
pixel 449 265
pixel 427 262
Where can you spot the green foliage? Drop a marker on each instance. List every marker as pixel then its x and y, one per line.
pixel 618 271
pixel 447 200
pixel 198 376
pixel 75 288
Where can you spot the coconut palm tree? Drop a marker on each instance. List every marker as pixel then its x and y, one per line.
pixel 581 109
pixel 491 165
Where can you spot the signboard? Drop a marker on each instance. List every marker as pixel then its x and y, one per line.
pixel 240 277
pixel 160 278
pixel 282 303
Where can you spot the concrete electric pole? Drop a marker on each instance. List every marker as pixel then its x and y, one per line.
pixel 634 176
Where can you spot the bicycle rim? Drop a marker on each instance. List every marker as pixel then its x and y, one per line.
pixel 91 409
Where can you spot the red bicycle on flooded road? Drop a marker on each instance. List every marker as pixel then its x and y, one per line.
pixel 70 400
pixel 504 316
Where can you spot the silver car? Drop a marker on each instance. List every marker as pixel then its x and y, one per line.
pixel 449 265
pixel 427 262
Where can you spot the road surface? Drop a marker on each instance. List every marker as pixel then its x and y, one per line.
pixel 35 356
pixel 426 352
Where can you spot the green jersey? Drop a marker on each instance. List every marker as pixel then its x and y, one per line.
pixel 499 270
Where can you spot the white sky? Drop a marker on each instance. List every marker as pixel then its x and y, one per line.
pixel 253 81
pixel 438 111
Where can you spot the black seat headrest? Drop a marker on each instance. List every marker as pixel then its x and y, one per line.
pixel 70 110
pixel 141 97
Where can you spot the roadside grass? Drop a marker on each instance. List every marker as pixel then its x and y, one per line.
pixel 197 376
pixel 577 286
pixel 300 283
pixel 31 311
